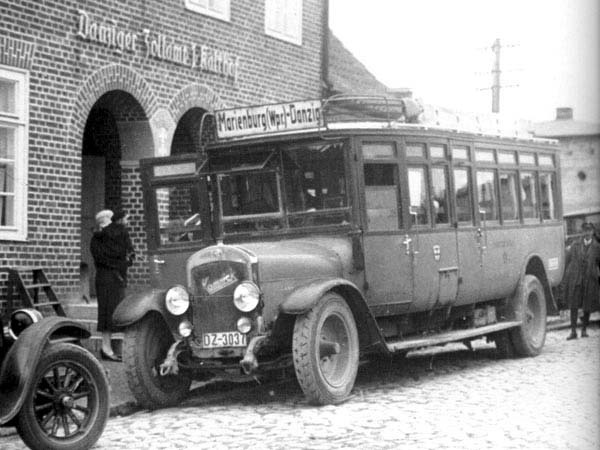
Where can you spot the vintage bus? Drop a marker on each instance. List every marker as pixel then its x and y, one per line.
pixel 309 234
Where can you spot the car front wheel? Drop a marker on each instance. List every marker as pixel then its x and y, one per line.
pixel 325 349
pixel 68 404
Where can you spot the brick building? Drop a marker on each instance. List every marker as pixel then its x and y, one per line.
pixel 89 87
pixel 580 166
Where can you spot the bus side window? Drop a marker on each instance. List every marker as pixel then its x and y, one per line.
pixel 417 187
pixel 439 194
pixel 487 196
pixel 462 196
pixel 548 195
pixel 528 196
pixel 381 197
pixel 508 196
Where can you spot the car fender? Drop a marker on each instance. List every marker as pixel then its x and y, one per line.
pixel 304 297
pixel 19 365
pixel 137 305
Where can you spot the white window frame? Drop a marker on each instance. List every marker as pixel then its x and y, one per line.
pixel 194 5
pixel 19 122
pixel 278 13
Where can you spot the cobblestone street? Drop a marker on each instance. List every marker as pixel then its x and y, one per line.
pixel 442 398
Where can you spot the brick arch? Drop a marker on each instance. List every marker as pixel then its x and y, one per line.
pixel 110 78
pixel 194 96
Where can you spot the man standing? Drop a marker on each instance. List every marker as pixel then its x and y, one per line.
pixel 581 278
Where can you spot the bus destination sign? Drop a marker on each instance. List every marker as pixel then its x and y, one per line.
pixel 267 119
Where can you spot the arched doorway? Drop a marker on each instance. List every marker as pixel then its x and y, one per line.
pixel 186 138
pixel 116 130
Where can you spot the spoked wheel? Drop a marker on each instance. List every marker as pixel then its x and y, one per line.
pixel 68 404
pixel 145 348
pixel 325 348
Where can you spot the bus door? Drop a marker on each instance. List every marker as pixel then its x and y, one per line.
pixel 177 215
pixel 470 240
pixel 387 251
pixel 433 241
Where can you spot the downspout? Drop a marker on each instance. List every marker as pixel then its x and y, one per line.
pixel 325 85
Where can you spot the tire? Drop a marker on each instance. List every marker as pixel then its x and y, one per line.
pixel 68 404
pixel 326 378
pixel 530 304
pixel 145 346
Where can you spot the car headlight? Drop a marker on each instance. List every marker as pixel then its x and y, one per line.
pixel 21 319
pixel 177 300
pixel 246 296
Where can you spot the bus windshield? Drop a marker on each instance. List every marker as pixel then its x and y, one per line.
pixel 279 187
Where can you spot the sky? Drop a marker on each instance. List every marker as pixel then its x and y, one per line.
pixel 441 49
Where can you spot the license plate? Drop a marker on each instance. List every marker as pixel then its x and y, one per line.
pixel 223 339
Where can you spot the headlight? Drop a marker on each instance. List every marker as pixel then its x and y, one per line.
pixel 177 300
pixel 21 319
pixel 246 296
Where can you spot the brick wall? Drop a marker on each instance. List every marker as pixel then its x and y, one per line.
pixel 69 75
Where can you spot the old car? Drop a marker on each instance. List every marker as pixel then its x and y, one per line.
pixel 298 242
pixel 52 390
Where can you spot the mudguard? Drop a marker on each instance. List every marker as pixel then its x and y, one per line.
pixel 137 305
pixel 21 360
pixel 304 297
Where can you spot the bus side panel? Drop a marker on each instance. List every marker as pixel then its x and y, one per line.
pixel 505 258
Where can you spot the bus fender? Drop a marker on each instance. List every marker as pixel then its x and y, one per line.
pixel 136 305
pixel 304 297
pixel 21 360
pixel 535 266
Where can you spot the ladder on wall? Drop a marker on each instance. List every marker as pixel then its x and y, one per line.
pixel 28 292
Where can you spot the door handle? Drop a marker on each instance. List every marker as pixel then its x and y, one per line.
pixel 158 260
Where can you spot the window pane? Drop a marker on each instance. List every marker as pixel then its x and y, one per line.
pixel 7 208
pixel 484 155
pixel 460 152
pixel 548 195
pixel 7 178
pixel 546 160
pixel 179 218
pixel 381 197
pixel 527 158
pixel 315 184
pixel 507 158
pixel 508 196
pixel 7 143
pixel 462 195
pixel 415 150
pixel 214 8
pixel 379 150
pixel 528 196
pixel 417 186
pixel 249 194
pixel 439 185
pixel 487 198
pixel 437 151
pixel 7 96
pixel 283 19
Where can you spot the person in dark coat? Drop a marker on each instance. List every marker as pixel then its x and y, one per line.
pixel 111 250
pixel 581 278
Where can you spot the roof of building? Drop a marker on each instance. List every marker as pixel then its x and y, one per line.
pixel 347 74
pixel 565 128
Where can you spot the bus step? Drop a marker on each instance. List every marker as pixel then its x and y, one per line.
pixel 450 336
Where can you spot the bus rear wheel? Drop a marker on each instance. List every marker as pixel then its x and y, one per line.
pixel 325 348
pixel 529 305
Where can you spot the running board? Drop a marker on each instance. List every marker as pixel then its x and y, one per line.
pixel 450 336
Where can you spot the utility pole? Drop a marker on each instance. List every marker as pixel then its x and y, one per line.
pixel 496 77
pixel 496 71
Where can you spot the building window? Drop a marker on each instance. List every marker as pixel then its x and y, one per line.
pixel 214 8
pixel 14 114
pixel 283 20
